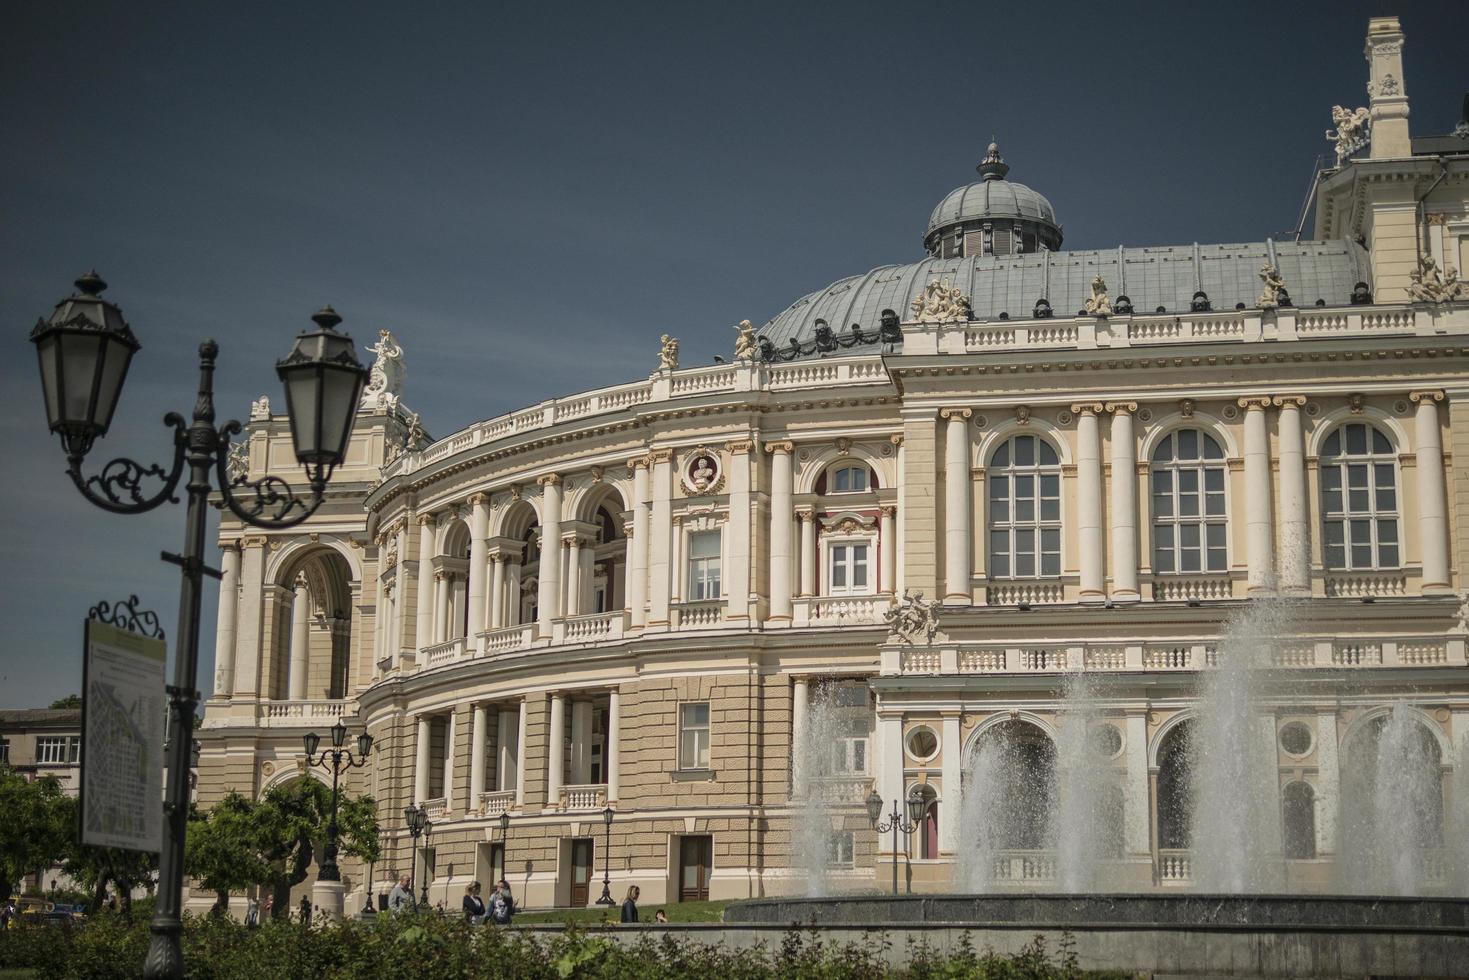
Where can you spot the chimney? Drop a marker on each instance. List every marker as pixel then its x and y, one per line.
pixel 1386 89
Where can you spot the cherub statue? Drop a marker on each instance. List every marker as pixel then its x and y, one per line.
pixel 668 353
pixel 260 409
pixel 745 341
pixel 1427 285
pixel 912 617
pixel 1274 286
pixel 1351 131
pixel 1099 304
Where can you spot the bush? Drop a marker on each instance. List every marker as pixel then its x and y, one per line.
pixel 106 947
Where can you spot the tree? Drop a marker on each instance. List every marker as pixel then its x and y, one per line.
pixel 70 701
pixel 39 825
pixel 94 868
pixel 293 822
pixel 223 849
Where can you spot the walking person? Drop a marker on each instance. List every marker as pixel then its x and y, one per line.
pixel 474 906
pixel 630 905
pixel 401 897
pixel 252 912
pixel 268 908
pixel 305 907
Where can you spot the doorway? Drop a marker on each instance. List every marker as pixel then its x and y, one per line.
pixel 581 871
pixel 695 855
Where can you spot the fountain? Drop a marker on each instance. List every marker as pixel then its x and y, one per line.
pixel 822 783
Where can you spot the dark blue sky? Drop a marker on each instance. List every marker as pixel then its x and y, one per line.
pixel 528 195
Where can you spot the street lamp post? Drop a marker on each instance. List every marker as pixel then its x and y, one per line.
pixel 606 898
pixel 84 349
pixel 505 844
pixel 917 805
pixel 428 828
pixel 341 759
pixel 418 825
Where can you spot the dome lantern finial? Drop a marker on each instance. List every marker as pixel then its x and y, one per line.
pixel 992 167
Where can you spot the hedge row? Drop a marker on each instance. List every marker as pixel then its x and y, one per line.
pixel 106 947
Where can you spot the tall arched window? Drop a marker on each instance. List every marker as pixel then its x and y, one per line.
pixel 1175 795
pixel 1298 802
pixel 1188 503
pixel 1359 498
pixel 1024 477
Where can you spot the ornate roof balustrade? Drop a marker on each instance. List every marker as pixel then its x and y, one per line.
pixel 301 714
pixel 1169 657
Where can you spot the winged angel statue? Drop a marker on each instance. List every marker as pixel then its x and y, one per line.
pixel 913 619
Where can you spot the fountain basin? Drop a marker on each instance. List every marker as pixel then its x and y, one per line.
pixel 1147 910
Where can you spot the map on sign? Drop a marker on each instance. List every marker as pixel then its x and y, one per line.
pixel 123 713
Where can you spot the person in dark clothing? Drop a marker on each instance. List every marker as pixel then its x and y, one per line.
pixel 630 906
pixel 474 906
pixel 306 910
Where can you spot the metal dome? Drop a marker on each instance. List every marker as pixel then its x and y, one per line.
pixel 986 199
pixel 991 216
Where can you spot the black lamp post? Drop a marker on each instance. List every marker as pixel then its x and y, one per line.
pixel 84 349
pixel 606 898
pixel 418 825
pixel 917 805
pixel 428 828
pixel 341 760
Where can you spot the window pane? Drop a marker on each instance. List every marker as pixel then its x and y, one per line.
pixel 1214 535
pixel 1357 476
pixel 1188 505
pixel 1214 504
pixel 1024 508
pixel 1048 455
pixel 1162 481
pixel 841 481
pixel 1335 532
pixel 1380 443
pixel 1387 556
pixel 1214 479
pixel 1332 446
pixel 696 714
pixel 1188 444
pixel 1361 532
pixel 1356 501
pixel 1188 560
pixel 838 573
pixel 1050 485
pixel 1001 456
pixel 1335 556
pixel 859 479
pixel 1025 564
pixel 1361 556
pixel 1212 449
pixel 1217 560
pixel 1025 541
pixel 1387 532
pixel 1188 535
pixel 1050 509
pixel 1188 481
pixel 1163 535
pixel 1356 440
pixel 1025 450
pixel 859 574
pixel 1162 505
pixel 1162 560
pixel 705 544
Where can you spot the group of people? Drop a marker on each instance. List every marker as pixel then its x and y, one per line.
pixel 501 905
pixel 630 907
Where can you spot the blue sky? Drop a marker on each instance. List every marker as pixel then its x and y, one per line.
pixel 528 195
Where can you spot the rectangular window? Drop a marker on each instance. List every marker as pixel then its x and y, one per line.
pixel 848 568
pixel 704 566
pixel 849 756
pixel 693 735
pixel 840 852
pixel 51 750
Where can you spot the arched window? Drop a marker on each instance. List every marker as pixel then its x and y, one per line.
pixel 1175 795
pixel 849 478
pixel 928 825
pixel 1359 498
pixel 1188 503
pixel 1024 477
pixel 1298 803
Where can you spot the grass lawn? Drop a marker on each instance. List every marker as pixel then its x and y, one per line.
pixel 677 912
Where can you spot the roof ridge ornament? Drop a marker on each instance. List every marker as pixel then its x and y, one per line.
pixel 992 167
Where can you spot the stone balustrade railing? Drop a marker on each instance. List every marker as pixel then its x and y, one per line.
pixel 494 803
pixel 508 638
pixel 590 796
pixel 590 627
pixel 1173 867
pixel 857 610
pixel 699 615
pixel 443 653
pixel 281 714
pixel 1303 653
pixel 436 807
pixel 1024 866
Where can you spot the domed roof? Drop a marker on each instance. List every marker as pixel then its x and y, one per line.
pixel 991 197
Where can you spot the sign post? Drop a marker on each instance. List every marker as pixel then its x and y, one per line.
pixel 123 714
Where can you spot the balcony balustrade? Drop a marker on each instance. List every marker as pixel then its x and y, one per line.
pixel 443 653
pixel 590 627
pixel 856 610
pixel 303 714
pixel 1031 593
pixel 699 615
pixel 591 796
pixel 508 639
pixel 1024 867
pixel 438 807
pixel 494 803
pixel 1173 867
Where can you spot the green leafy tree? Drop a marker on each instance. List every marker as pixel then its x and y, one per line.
pixel 293 823
pixel 37 829
pixel 95 868
pixel 224 848
pixel 70 701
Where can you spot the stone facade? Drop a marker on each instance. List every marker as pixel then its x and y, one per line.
pixel 725 541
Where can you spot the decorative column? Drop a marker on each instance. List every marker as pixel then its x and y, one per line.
pixel 1089 501
pixel 420 758
pixel 660 546
pixel 739 534
pixel 1137 816
pixel 300 639
pixel 573 573
pixel 1124 503
pixel 799 709
pixel 548 598
pixel 1295 551
pixel 444 583
pixel 902 519
pixel 637 556
pixel 952 772
pixel 497 591
pixel 958 536
pixel 1258 530
pixel 555 750
pixel 1328 782
pixel 229 601
pixel 808 551
pixel 613 754
pixel 1433 521
pixel 520 725
pixel 889 766
pixel 450 724
pixel 479 551
pixel 248 641
pixel 887 546
pixel 423 622
pixel 782 515
pixel 477 756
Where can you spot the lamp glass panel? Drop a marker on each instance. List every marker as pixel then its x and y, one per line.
pixel 339 735
pixel 338 405
pixel 114 369
pixel 49 352
pixel 311 740
pixel 79 355
pixel 302 392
